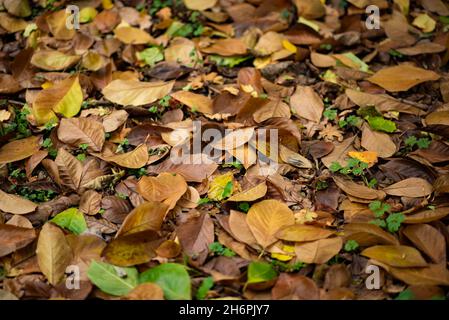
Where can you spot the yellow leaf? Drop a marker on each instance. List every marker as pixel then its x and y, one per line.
pixel 262 62
pixel 64 97
pixel 147 216
pixel 218 185
pixel 301 233
pixel 369 157
pixel 265 218
pixel 289 46
pixel 87 14
pixel 57 24
pixel 309 23
pixel 281 257
pixel 424 22
pixel 107 4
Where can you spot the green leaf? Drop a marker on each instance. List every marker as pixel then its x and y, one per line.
pixel 227 191
pixel 113 280
pixel 229 62
pixel 260 272
pixel 379 208
pixel 423 143
pixel 71 219
pixel 172 278
pixel 394 221
pixel 335 166
pixel 331 114
pixel 244 206
pixel 204 288
pixel 381 124
pixel 151 55
pixel 407 294
pixel 351 245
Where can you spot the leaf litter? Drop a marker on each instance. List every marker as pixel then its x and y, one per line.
pixel 91 119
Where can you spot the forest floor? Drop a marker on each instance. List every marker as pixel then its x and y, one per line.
pixel 204 149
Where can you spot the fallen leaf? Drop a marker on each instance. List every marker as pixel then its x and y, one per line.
pixel 13 238
pixel 19 149
pixel 402 77
pixel 251 194
pixel 166 187
pixel 358 190
pixel 427 215
pixel 53 253
pixel 265 218
pixel 64 97
pixel 147 216
pixel 411 187
pixel 14 204
pixel 79 131
pixel 301 233
pixel 52 60
pixel 136 93
pixel 199 4
pixel 396 256
pixel 307 103
pixel 429 240
pixel 319 251
pixel 113 280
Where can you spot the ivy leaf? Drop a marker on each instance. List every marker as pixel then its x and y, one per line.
pixel 113 280
pixel 381 124
pixel 260 272
pixel 71 219
pixel 172 278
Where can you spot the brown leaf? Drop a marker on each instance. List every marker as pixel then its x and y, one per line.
pixel 319 251
pixel 226 47
pixel 358 190
pixel 429 240
pixel 53 253
pixel 8 84
pixel 265 218
pixel 70 169
pixel 251 194
pixel 136 93
pixel 166 187
pixel 396 256
pixel 131 35
pixel 301 233
pixel 378 142
pixel 52 60
pixel 15 204
pixel 19 149
pixel 307 103
pixel 240 229
pixel 402 77
pixel 57 23
pixel 427 215
pixel 340 153
pixel 194 101
pixel 77 131
pixel 132 249
pixel 145 291
pixel 90 202
pixel 13 238
pixel 433 275
pixel 147 216
pixel 383 102
pixel 134 159
pixel 295 287
pixel 411 187
pixel 196 235
pixel 368 234
pixel 190 172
